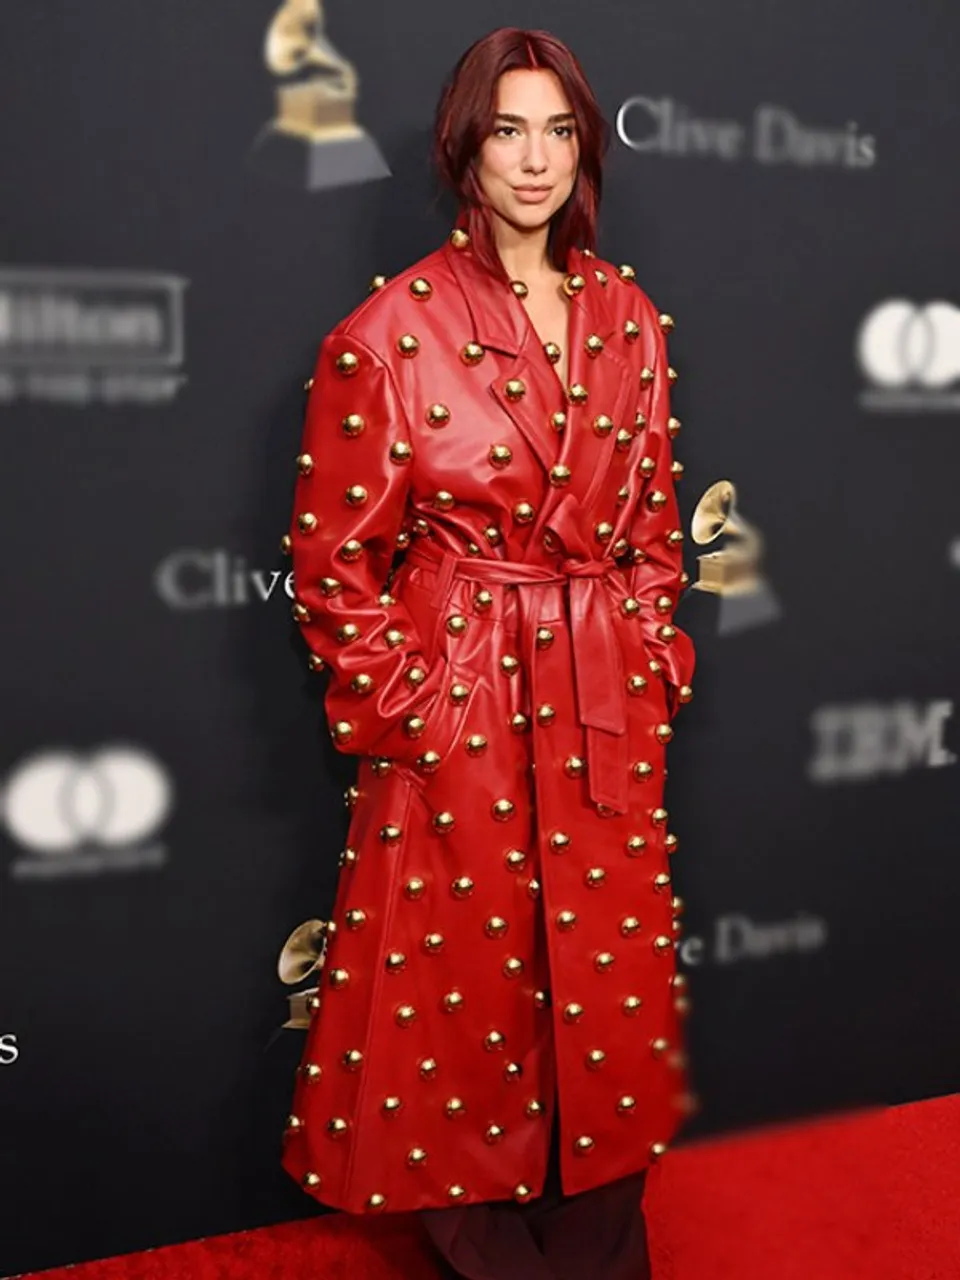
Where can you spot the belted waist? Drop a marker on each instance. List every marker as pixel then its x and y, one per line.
pixel 599 679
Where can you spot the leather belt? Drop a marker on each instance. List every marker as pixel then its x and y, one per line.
pixel 597 660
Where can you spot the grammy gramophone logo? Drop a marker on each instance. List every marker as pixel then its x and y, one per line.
pixel 313 141
pixel 733 571
pixel 304 953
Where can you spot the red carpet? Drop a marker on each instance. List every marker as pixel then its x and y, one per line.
pixel 874 1196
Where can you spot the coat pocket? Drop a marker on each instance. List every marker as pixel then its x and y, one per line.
pixel 447 718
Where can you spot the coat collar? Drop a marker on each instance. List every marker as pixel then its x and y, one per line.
pixel 497 315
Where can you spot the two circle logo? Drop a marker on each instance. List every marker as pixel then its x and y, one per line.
pixel 56 802
pixel 901 344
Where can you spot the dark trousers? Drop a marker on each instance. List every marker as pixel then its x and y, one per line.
pixel 597 1235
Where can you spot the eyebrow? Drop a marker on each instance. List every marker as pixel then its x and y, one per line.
pixel 515 119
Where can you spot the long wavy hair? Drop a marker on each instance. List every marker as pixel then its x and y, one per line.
pixel 464 119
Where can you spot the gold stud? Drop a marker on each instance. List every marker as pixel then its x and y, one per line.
pixel 494 1133
pixel 347 364
pixel 603 531
pixel 629 926
pixel 294 1123
pixel 377 282
pixel 512 1072
pixel 286 544
pixel 552 352
pixel 515 389
pixel 603 961
pixel 631 1005
pixel 519 288
pixel 433 943
pixel 646 376
pixel 558 420
pixel 624 438
pixel 355 918
pixel 416 1157
pixel 459 238
pixel 685 693
pixel 472 353
pixel 421 289
pixel 522 1193
pixel 476 744
pixel 512 967
pixel 302 614
pixel 662 944
pixel 414 888
pixel 500 455
pixel 659 1046
pixel 675 538
pixel 408 345
pixel 573 284
pixel 515 860
pixel 311 1071
pixel 494 1040
pixel 659 816
pixel 642 770
pixel 636 684
pixel 545 713
pixel 670 842
pixel 601 276
pixel 428 1068
pixel 352 1060
pixel 559 841
pixel 311 1181
pixel 339 978
pixel 405 1015
pixel 390 1106
pixel 572 1012
pixel 509 664
pixel 394 638
pixel 560 474
pixel 626 272
pixel 444 822
pixel 456 624
pixel 400 452
pixel 456 1192
pixel 304 463
pixel 502 809
pixel 541 1000
pixel 574 766
pixel 657 1149
pixel 496 927
pixel 594 344
pixel 337 1127
pixel 306 522
pixel 438 415
pixel 630 607
pixel 454 1107
pixel 534 1108
pixel 663 732
pixel 376 1203
pixel 672 374
pixel 462 887
pixel 566 920
pixel 595 1059
pixel 583 1145
pixel 626 1104
pixel 594 877
pixel 578 393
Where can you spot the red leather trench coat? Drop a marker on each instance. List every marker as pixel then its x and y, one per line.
pixel 503 934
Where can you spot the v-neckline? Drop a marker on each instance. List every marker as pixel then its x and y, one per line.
pixel 542 346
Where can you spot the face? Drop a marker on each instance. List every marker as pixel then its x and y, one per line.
pixel 528 165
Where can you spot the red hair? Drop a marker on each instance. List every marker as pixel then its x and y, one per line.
pixel 464 119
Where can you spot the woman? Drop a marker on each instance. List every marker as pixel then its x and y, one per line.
pixel 496 1039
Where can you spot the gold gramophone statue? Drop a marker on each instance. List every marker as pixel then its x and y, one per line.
pixel 304 952
pixel 314 140
pixel 733 572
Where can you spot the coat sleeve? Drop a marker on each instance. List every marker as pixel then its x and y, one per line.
pixel 353 480
pixel 655 535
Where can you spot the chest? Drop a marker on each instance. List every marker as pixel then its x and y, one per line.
pixel 549 313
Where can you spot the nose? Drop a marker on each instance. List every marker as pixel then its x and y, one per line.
pixel 535 154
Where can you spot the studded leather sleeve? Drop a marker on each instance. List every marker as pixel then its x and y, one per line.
pixel 655 533
pixel 349 504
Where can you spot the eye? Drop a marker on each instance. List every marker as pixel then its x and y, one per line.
pixel 502 130
pixel 565 130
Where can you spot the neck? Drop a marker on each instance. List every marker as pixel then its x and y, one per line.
pixel 523 253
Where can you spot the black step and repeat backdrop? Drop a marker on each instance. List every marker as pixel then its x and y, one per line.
pixel 193 195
